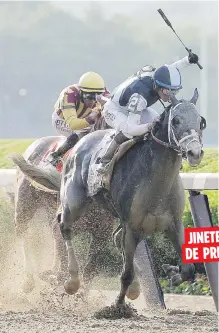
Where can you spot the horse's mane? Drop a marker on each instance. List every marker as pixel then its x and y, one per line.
pixel 158 122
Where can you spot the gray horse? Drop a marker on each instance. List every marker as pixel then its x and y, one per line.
pixel 146 191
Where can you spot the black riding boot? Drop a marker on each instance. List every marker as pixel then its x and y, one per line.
pixel 71 140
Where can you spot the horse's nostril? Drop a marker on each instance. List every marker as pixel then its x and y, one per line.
pixel 191 153
pixel 195 154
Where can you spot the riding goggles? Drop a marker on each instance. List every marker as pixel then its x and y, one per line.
pixel 166 91
pixel 90 96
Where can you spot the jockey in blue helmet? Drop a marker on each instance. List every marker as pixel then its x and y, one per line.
pixel 137 93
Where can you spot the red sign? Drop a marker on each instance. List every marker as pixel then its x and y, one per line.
pixel 201 245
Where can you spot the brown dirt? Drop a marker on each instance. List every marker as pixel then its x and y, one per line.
pixel 48 310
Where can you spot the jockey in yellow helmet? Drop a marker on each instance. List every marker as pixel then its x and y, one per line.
pixel 76 110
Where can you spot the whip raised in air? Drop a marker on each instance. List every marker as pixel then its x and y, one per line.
pixel 170 25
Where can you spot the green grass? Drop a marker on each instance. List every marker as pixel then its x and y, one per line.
pixel 208 164
pixel 12 146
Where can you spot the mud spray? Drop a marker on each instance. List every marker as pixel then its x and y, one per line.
pixel 48 309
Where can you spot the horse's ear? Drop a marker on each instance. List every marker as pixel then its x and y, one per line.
pixel 194 97
pixel 173 99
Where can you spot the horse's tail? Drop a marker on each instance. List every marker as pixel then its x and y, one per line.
pixel 50 179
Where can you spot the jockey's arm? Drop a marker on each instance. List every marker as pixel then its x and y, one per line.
pixel 70 115
pixel 134 129
pixel 73 122
pixel 182 63
pixel 137 103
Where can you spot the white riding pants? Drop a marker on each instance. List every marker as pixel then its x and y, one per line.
pixel 129 123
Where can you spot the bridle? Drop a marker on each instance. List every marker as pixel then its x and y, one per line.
pixel 173 143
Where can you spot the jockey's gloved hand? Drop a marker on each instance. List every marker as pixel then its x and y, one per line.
pixel 193 58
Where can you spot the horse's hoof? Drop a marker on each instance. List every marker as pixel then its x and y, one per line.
pixel 72 286
pixel 133 291
pixel 176 280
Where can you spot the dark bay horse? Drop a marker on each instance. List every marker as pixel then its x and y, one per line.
pixel 146 190
pixel 30 201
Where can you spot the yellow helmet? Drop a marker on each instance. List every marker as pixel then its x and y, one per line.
pixel 91 82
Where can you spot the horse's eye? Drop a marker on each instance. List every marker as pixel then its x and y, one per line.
pixel 175 121
pixel 203 123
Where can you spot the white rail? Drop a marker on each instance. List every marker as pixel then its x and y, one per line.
pixel 191 181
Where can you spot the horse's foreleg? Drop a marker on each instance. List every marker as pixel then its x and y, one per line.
pixel 73 203
pixel 133 291
pixel 60 262
pixel 73 283
pixel 129 244
pixel 176 235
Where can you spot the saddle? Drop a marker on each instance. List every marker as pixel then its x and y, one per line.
pixel 123 148
pixel 97 181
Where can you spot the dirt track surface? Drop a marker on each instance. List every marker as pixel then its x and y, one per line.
pixel 56 312
pixel 48 310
